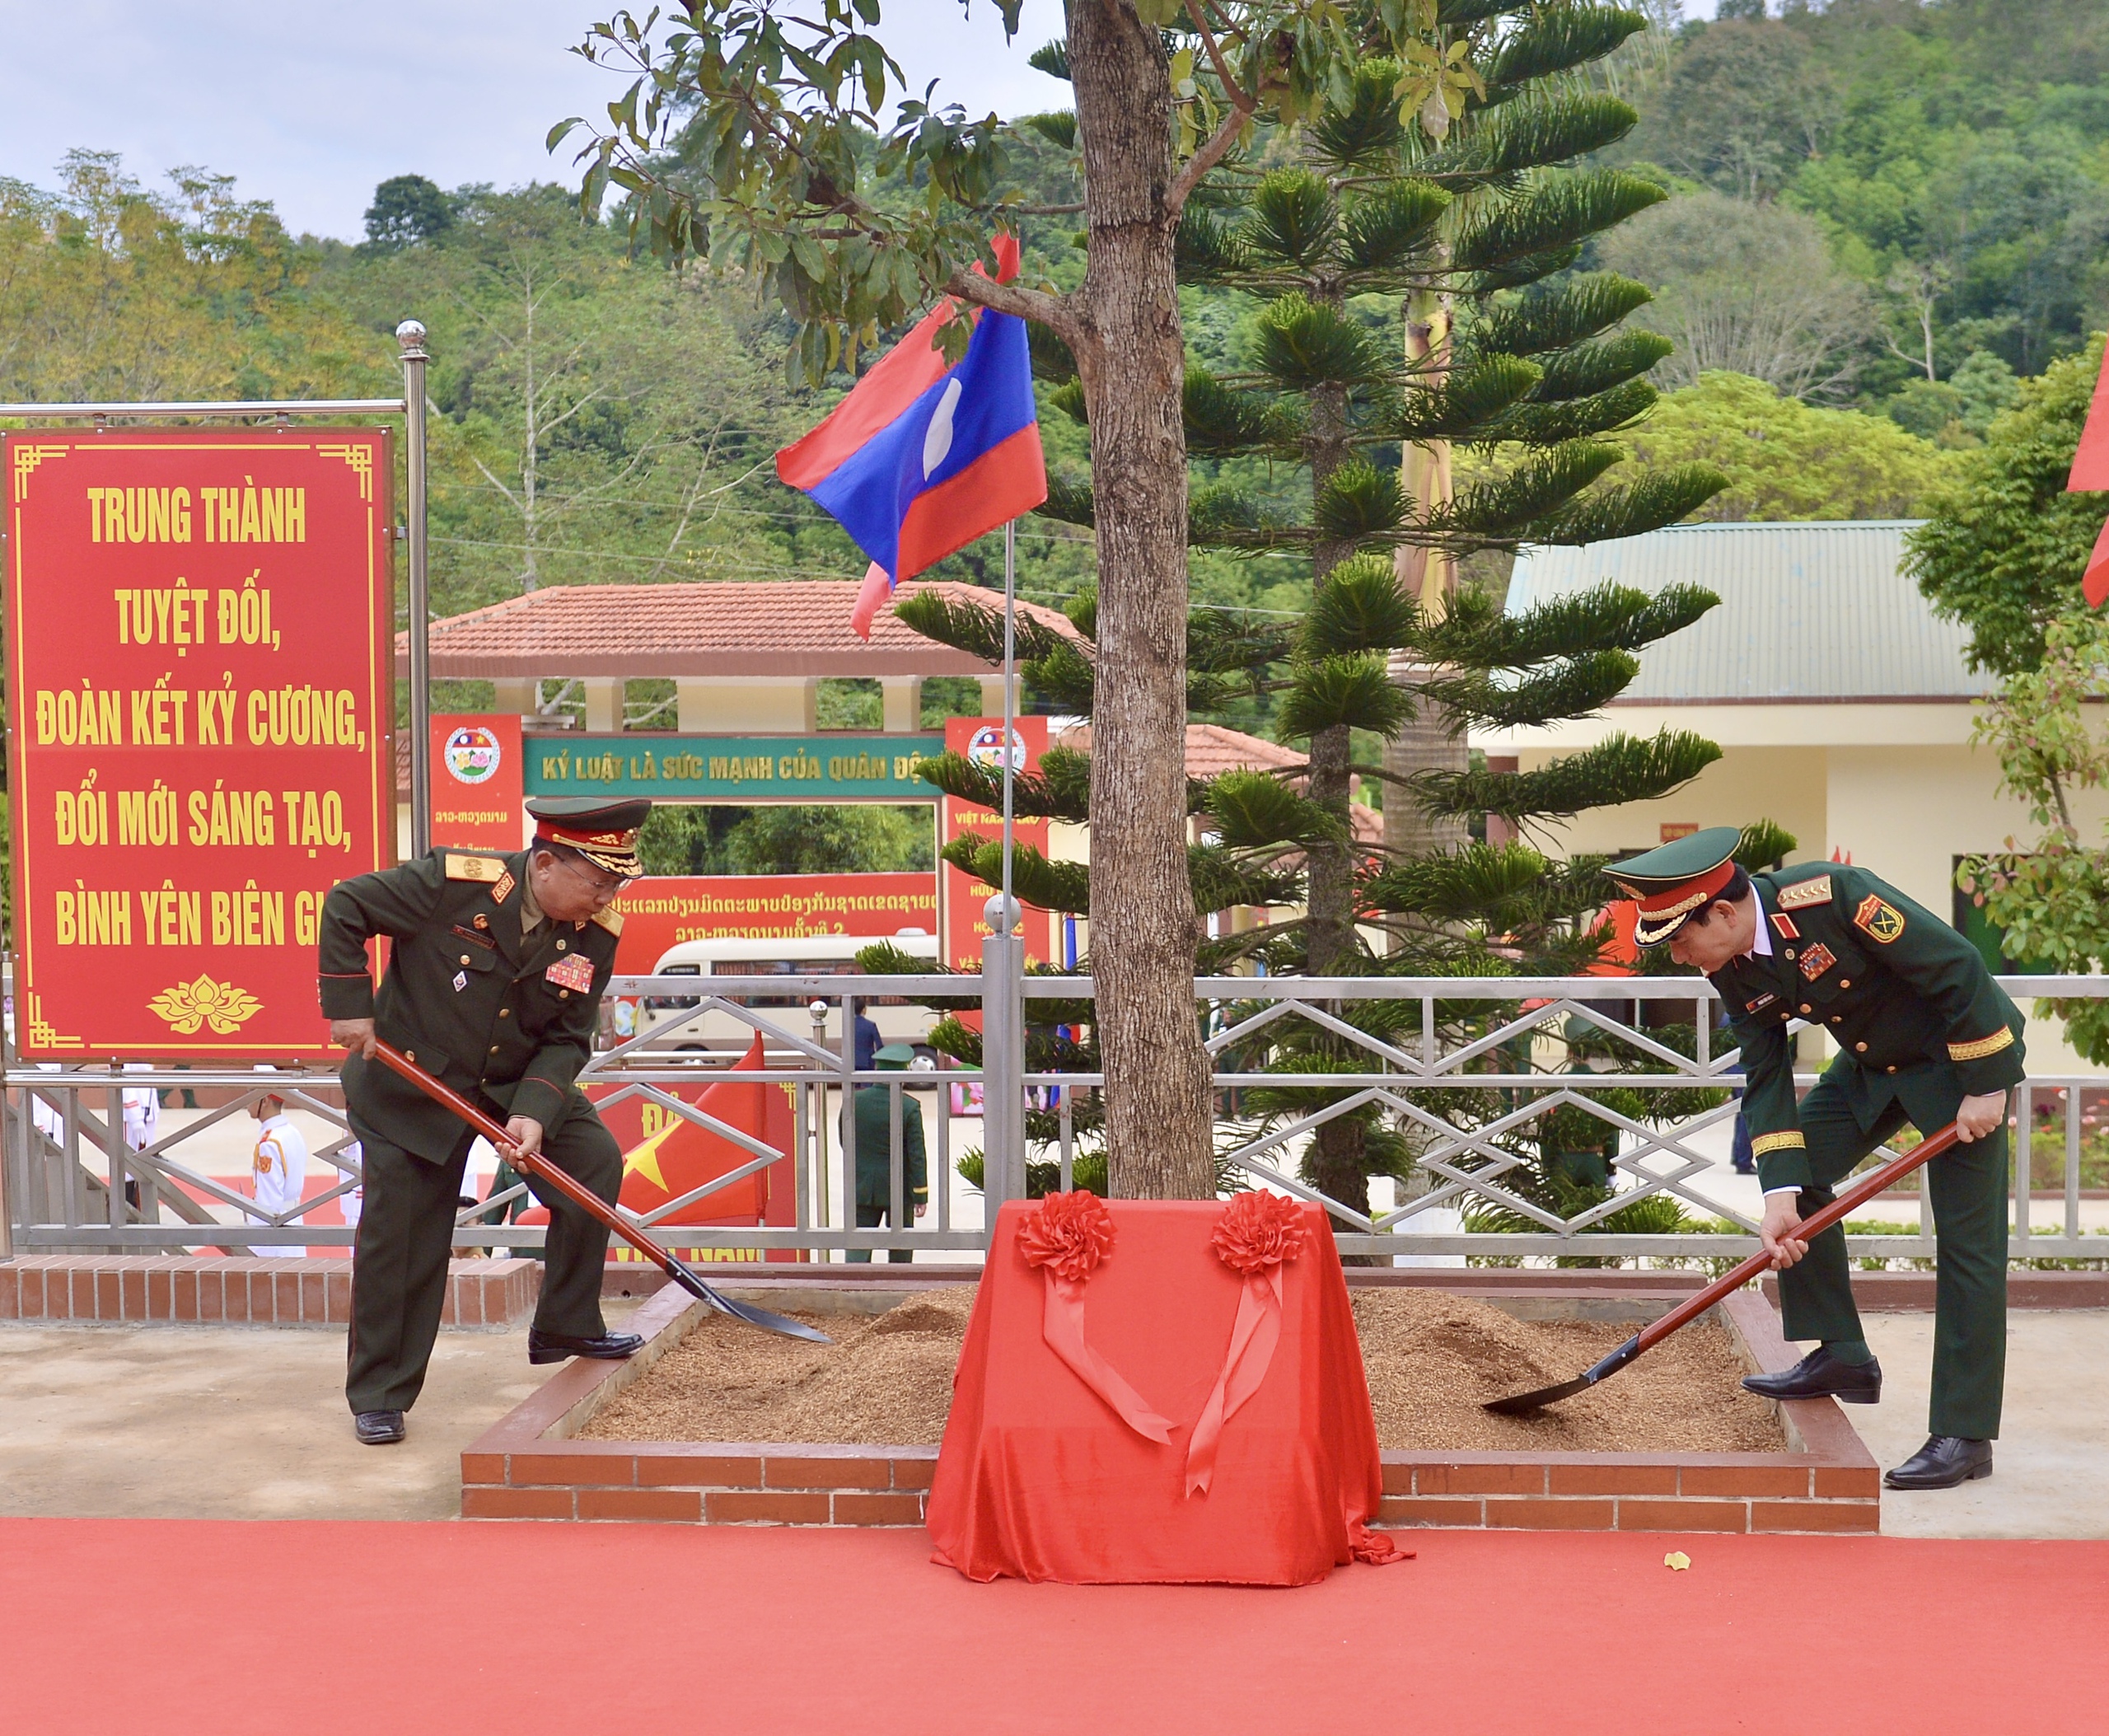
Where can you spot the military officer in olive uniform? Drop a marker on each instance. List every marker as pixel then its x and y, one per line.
pixel 1925 1034
pixel 493 985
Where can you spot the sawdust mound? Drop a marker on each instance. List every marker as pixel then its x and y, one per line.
pixel 885 1382
pixel 1434 1359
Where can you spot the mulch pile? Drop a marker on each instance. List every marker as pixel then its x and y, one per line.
pixel 1432 1359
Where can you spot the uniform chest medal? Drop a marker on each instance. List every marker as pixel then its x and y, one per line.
pixel 574 972
pixel 1817 959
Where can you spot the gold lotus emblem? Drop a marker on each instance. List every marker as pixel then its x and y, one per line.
pixel 204 1002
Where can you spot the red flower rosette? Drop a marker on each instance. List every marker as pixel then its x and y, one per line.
pixel 1068 1233
pixel 1065 1235
pixel 1259 1230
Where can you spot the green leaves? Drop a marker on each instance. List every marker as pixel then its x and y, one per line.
pixel 1552 218
pixel 1223 421
pixel 1359 503
pixel 1390 232
pixel 1619 768
pixel 1763 842
pixel 1508 505
pixel 1299 344
pixel 1053 886
pixel 1585 369
pixel 1478 632
pixel 1558 38
pixel 1473 401
pixel 1360 607
pixel 1507 140
pixel 1554 318
pixel 1571 688
pixel 1253 811
pixel 1647 504
pixel 1353 691
pixel 1291 220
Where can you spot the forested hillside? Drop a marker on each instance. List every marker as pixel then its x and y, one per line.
pixel 1884 212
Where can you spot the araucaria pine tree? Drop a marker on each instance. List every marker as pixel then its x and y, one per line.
pixel 1409 248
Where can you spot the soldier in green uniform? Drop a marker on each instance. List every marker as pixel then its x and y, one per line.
pixel 1925 1034
pixel 873 1129
pixel 495 981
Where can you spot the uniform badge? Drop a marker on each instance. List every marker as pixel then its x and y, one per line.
pixel 1785 925
pixel 502 887
pixel 475 867
pixel 1817 959
pixel 574 972
pixel 1763 1000
pixel 482 920
pixel 1882 920
pixel 461 981
pixel 1806 892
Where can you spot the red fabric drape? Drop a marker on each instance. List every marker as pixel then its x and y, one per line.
pixel 1038 1479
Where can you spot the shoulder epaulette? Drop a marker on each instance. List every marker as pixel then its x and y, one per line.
pixel 1805 892
pixel 482 868
pixel 610 920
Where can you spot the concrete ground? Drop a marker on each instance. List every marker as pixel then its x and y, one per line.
pixel 2049 1476
pixel 209 1422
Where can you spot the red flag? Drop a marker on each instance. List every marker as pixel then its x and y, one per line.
pixel 2095 581
pixel 682 1156
pixel 2090 472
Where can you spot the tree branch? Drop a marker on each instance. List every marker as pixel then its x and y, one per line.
pixel 1207 157
pixel 1054 311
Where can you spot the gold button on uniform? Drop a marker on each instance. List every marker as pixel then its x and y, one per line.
pixel 1859 1048
pixel 464 958
pixel 1805 1006
pixel 506 1013
pixel 494 1048
pixel 1845 982
pixel 1892 1069
pixel 561 945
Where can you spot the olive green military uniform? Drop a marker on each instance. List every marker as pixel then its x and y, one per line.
pixel 1920 1024
pixel 872 1128
pixel 499 1001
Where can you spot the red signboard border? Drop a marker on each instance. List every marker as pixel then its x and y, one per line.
pixel 17 446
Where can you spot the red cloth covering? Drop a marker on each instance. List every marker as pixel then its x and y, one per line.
pixel 1039 1479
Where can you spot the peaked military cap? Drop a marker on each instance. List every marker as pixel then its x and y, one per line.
pixel 1673 883
pixel 605 833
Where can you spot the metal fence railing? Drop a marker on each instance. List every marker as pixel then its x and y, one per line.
pixel 1466 1069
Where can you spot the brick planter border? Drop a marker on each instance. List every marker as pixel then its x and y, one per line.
pixel 145 1289
pixel 529 1465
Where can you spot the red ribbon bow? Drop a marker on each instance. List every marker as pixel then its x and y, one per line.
pixel 1066 1235
pixel 1256 1235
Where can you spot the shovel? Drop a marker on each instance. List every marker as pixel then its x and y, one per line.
pixel 540 1169
pixel 1655 1331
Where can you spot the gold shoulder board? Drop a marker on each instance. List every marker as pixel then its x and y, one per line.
pixel 482 868
pixel 1805 893
pixel 611 921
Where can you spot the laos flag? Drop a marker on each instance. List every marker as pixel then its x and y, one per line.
pixel 920 458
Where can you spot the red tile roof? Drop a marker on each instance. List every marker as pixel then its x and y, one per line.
pixel 1211 750
pixel 791 629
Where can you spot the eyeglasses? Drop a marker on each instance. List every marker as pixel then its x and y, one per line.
pixel 596 876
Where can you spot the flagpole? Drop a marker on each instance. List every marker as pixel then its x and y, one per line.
pixel 1010 704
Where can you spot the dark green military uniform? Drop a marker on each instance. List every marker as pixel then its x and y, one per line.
pixel 506 1020
pixel 872 1126
pixel 1921 1024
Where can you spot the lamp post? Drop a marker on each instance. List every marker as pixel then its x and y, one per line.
pixel 410 336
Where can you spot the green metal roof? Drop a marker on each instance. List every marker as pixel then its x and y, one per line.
pixel 1809 612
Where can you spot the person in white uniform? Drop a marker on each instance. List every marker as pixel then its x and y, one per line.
pixel 280 1167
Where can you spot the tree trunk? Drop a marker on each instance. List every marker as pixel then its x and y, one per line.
pixel 1337 1161
pixel 1132 362
pixel 1429 743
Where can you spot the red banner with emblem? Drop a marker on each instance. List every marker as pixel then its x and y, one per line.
pixel 200 650
pixel 965 898
pixel 476 786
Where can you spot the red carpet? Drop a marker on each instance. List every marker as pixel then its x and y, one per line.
pixel 176 1627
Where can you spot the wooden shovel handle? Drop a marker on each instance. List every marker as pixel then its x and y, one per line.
pixel 528 1164
pixel 1875 1182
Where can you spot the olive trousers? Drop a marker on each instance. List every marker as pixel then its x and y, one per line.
pixel 399 1275
pixel 1968 1189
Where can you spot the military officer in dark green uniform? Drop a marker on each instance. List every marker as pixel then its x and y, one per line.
pixel 495 981
pixel 1925 1034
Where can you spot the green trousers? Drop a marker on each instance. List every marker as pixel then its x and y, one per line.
pixel 399 1278
pixel 1967 1189
pixel 871 1217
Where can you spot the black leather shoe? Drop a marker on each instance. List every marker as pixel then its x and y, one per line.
pixel 1821 1375
pixel 556 1347
pixel 1943 1462
pixel 378 1428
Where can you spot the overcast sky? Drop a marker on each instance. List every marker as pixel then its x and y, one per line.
pixel 309 105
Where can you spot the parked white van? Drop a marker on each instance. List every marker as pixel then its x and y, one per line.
pixel 805 955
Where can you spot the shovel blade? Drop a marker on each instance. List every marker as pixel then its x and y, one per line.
pixel 1523 1404
pixel 768 1320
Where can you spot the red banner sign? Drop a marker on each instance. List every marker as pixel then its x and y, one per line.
pixel 475 782
pixel 664 910
pixel 199 659
pixel 981 740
